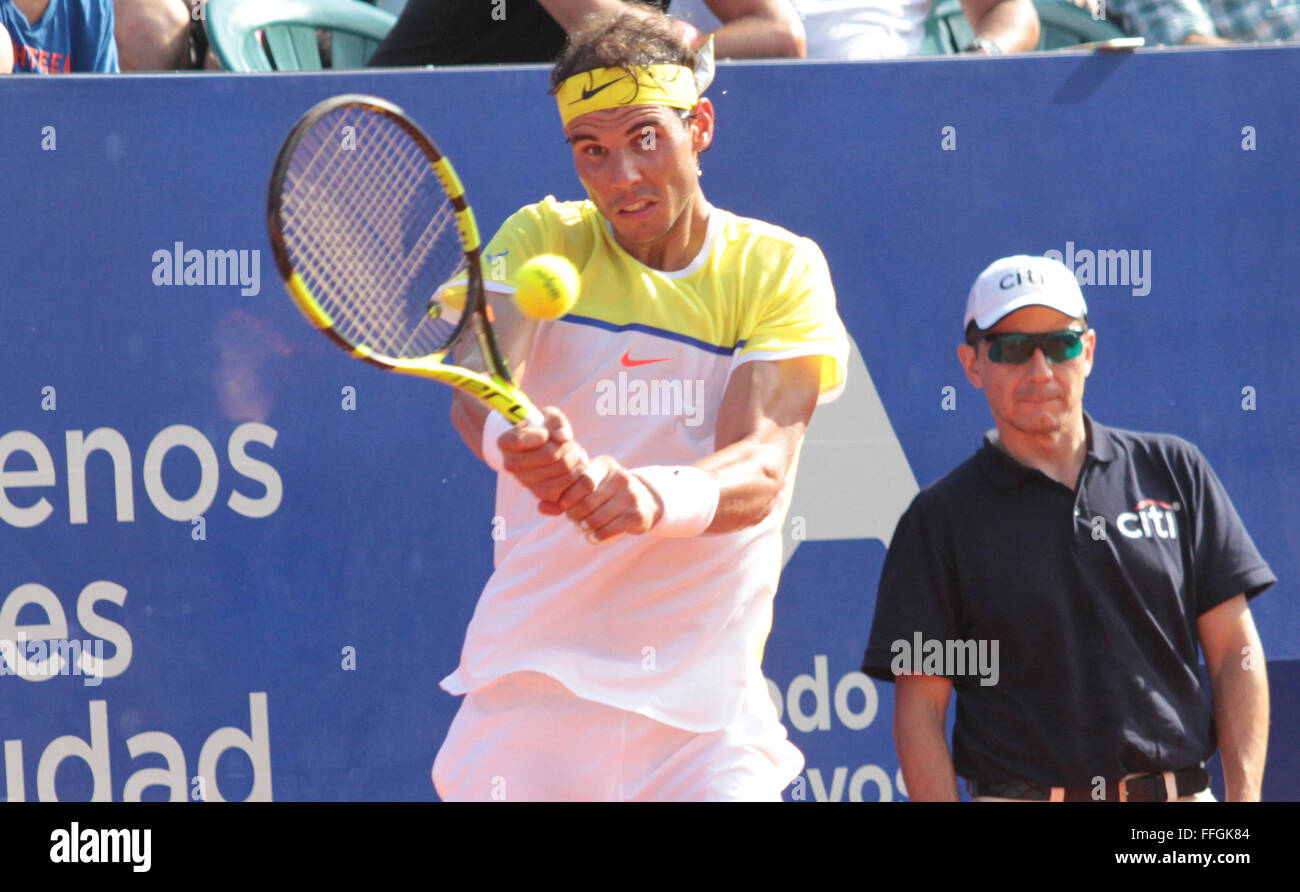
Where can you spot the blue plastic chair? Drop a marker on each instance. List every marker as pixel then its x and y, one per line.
pixel 286 35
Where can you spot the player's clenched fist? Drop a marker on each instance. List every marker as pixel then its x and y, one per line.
pixel 620 503
pixel 547 460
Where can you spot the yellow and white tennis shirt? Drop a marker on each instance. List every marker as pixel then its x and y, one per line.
pixel 669 628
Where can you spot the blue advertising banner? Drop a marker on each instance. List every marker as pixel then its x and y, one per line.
pixel 241 561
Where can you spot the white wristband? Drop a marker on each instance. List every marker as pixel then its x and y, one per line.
pixel 689 496
pixel 495 425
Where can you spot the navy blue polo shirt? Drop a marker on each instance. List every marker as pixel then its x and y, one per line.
pixel 1091 595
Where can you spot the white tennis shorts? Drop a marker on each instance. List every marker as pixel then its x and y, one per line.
pixel 526 737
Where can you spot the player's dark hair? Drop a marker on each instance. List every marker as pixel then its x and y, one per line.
pixel 621 40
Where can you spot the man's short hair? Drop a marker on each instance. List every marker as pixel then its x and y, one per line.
pixel 624 40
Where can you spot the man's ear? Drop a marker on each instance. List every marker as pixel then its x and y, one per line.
pixel 1089 351
pixel 702 125
pixel 969 360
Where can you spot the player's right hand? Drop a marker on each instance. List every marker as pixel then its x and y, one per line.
pixel 618 503
pixel 547 460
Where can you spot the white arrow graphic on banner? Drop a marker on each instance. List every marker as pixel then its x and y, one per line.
pixel 854 481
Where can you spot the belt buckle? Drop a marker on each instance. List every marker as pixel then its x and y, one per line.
pixel 1171 786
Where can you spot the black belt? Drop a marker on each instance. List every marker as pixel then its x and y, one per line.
pixel 1142 788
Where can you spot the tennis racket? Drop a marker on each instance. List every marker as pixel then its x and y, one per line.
pixel 369 225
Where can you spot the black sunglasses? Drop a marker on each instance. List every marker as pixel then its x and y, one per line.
pixel 1016 348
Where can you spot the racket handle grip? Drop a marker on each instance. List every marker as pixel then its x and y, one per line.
pixel 496 424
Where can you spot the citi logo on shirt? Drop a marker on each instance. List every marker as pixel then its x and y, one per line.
pixel 1149 519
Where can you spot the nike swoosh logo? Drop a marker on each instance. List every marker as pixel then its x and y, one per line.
pixel 633 363
pixel 587 94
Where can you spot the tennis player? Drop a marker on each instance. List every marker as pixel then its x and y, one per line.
pixel 615 652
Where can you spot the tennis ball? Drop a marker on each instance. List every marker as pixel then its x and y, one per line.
pixel 546 287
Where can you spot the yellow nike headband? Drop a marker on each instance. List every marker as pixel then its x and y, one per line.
pixel 602 88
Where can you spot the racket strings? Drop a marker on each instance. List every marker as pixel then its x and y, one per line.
pixel 386 272
pixel 391 329
pixel 357 226
pixel 371 230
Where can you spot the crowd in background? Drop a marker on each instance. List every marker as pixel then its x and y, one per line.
pixel 64 36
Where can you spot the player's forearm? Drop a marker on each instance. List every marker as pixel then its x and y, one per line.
pixel 1241 723
pixel 923 754
pixel 761 422
pixel 1011 24
pixel 750 474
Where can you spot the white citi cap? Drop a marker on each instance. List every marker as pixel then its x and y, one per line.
pixel 1024 280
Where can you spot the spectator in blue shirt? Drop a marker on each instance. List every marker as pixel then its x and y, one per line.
pixel 60 36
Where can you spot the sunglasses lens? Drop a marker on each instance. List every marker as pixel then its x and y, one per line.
pixel 1012 348
pixel 1062 345
pixel 1017 349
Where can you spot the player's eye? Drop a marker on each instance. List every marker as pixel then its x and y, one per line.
pixel 591 150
